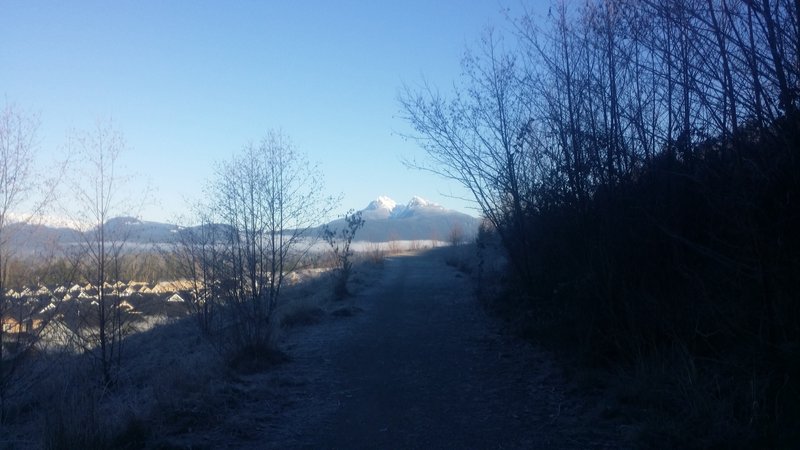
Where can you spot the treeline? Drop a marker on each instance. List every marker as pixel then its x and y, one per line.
pixel 232 262
pixel 640 162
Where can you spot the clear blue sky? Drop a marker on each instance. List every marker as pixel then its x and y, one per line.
pixel 191 82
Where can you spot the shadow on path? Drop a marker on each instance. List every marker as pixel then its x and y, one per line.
pixel 423 367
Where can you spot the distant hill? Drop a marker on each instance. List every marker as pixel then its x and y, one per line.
pixel 385 220
pixel 26 238
pixel 130 229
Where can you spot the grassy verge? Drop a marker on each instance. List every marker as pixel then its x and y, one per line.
pixel 176 389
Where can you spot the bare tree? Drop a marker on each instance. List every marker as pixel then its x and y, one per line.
pixel 24 193
pixel 198 256
pixel 457 235
pixel 476 138
pixel 269 196
pixel 98 198
pixel 340 240
pixel 17 147
pixel 616 126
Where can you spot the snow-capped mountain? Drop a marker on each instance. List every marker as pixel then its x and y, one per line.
pixel 385 220
pixel 382 203
pixel 386 208
pixel 381 208
pixel 419 206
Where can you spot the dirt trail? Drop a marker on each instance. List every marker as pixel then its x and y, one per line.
pixel 423 367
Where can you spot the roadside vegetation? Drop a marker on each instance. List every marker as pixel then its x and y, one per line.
pixel 173 377
pixel 340 242
pixel 174 374
pixel 639 163
pixel 106 344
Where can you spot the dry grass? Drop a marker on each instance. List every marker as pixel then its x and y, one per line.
pixel 373 253
pixel 304 302
pixel 302 315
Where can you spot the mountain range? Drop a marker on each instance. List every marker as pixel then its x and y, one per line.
pixel 384 220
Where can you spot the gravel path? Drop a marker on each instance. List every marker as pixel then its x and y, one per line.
pixel 422 367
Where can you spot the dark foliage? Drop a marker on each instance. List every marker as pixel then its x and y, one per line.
pixel 699 254
pixel 256 358
pixel 639 164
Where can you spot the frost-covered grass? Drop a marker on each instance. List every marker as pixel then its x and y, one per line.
pixel 173 382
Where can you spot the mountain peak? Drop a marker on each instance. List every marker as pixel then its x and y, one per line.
pixel 418 219
pixel 386 203
pixel 382 202
pixel 419 202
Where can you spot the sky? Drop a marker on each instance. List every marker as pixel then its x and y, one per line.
pixel 190 83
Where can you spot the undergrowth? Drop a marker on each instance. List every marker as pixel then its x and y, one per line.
pixel 680 286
